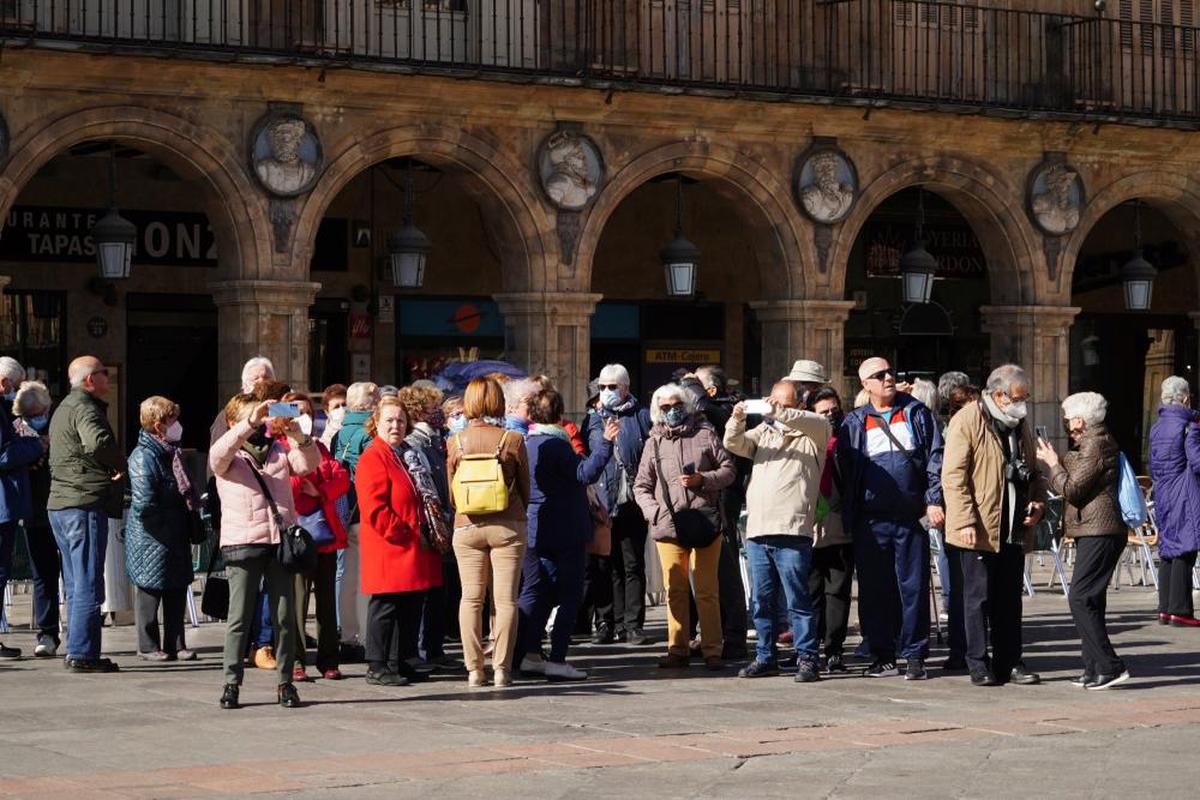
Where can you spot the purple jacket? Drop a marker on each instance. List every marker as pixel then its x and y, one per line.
pixel 1175 468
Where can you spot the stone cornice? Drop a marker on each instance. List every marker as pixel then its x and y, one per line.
pixel 832 312
pixel 994 316
pixel 554 304
pixel 263 292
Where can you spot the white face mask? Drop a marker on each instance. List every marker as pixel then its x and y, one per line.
pixel 174 432
pixel 1017 409
pixel 337 415
pixel 306 424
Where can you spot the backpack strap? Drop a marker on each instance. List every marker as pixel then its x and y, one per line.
pixel 500 444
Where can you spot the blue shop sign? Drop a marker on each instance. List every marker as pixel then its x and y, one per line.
pixel 465 318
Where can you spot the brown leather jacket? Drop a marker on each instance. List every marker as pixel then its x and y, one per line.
pixel 478 437
pixel 1087 480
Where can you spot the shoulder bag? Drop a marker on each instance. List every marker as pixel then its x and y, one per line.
pixel 695 528
pixel 214 603
pixel 297 553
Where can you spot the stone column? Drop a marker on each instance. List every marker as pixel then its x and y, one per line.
pixel 1039 339
pixel 551 333
pixel 263 317
pixel 795 329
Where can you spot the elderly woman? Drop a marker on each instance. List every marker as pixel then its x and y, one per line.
pixel 31 418
pixel 1175 468
pixel 350 442
pixel 489 543
pixel 1086 477
pixel 560 527
pixel 158 548
pixel 684 467
pixel 395 567
pixel 245 460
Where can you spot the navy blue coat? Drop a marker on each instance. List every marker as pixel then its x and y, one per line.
pixel 1175 468
pixel 17 455
pixel 916 487
pixel 558 479
pixel 635 428
pixel 158 552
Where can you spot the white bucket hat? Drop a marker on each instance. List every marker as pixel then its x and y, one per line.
pixel 805 371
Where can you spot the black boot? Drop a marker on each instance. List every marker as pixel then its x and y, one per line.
pixel 229 698
pixel 288 696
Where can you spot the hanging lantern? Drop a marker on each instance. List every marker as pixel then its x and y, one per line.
pixel 680 257
pixel 1138 274
pixel 113 235
pixel 917 266
pixel 408 250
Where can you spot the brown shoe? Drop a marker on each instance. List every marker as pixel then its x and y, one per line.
pixel 672 661
pixel 714 663
pixel 264 658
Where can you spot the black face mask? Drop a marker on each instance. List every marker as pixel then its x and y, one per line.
pixel 259 437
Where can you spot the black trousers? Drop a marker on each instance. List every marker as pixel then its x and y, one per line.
pixel 991 602
pixel 1095 559
pixel 145 613
pixel 829 584
pixel 627 611
pixel 321 585
pixel 393 624
pixel 44 562
pixel 1175 586
pixel 597 602
pixel 955 625
pixel 735 617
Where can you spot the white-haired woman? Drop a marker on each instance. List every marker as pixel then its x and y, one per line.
pixel 684 467
pixel 31 418
pixel 1175 468
pixel 258 369
pixel 1086 477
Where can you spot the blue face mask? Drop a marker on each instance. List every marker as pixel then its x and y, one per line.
pixel 39 424
pixel 457 423
pixel 610 398
pixel 675 416
pixel 516 424
pixel 10 396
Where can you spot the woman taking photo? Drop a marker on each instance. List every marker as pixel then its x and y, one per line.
pixel 396 567
pixel 1086 477
pixel 559 529
pixel 158 548
pixel 678 487
pixel 250 536
pixel 316 498
pixel 1175 468
pixel 493 541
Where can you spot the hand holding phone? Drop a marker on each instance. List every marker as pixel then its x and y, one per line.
pixel 1040 430
pixel 283 411
pixel 760 407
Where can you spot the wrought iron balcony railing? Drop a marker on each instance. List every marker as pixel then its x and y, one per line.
pixel 901 51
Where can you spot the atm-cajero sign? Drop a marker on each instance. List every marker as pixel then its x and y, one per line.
pixel 63 235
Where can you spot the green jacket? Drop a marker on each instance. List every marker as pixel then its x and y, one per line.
pixel 84 455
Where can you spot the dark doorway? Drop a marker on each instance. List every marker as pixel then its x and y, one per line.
pixel 172 351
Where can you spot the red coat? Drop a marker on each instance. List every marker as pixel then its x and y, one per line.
pixel 392 557
pixel 332 480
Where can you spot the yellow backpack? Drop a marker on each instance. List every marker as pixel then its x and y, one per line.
pixel 478 486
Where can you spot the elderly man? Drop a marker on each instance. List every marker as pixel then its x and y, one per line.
pixel 87 470
pixel 995 496
pixel 788 453
pixel 258 369
pixel 624 611
pixel 17 454
pixel 889 453
pixel 808 375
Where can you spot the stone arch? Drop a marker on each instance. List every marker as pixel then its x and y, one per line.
pixel 1174 194
pixel 528 252
pixel 993 207
pixel 780 234
pixel 235 207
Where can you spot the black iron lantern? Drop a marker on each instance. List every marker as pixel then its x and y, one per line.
pixel 408 248
pixel 113 235
pixel 680 257
pixel 1138 274
pixel 917 266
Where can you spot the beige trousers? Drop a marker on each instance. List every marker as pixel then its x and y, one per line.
pixel 477 549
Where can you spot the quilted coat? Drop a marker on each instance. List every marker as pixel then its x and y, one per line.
pixel 1087 480
pixel 158 554
pixel 1175 467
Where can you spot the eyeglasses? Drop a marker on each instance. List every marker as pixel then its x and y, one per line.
pixel 883 373
pixel 665 409
pixel 611 386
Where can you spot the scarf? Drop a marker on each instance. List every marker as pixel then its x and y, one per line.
pixel 181 477
pixel 538 429
pixel 516 425
pixel 998 415
pixel 626 407
pixel 258 446
pixel 413 462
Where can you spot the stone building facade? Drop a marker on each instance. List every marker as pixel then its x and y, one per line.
pixel 776 279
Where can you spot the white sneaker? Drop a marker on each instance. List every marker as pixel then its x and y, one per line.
pixel 45 649
pixel 533 664
pixel 562 671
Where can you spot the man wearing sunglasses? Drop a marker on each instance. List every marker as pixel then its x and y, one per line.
pixel 890 456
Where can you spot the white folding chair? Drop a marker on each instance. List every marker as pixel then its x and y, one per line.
pixel 5 606
pixel 191 604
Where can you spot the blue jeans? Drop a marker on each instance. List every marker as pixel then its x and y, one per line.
pixel 892 559
pixel 552 577
pixel 782 563
pixel 262 630
pixel 82 536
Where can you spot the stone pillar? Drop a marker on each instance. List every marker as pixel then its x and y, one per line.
pixel 795 329
pixel 551 333
pixel 1039 339
pixel 263 317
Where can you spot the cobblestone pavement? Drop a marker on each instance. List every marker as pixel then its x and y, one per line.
pixel 631 731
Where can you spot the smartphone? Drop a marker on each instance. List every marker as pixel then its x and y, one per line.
pixel 759 407
pixel 1041 432
pixel 283 410
pixel 689 469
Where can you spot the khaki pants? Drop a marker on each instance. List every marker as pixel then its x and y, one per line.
pixel 703 563
pixel 477 548
pixel 353 602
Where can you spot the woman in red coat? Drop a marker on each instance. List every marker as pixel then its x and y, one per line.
pixel 395 566
pixel 316 495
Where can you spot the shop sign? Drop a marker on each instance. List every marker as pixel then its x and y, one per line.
pixel 43 234
pixel 455 319
pixel 697 357
pixel 957 250
pixel 360 326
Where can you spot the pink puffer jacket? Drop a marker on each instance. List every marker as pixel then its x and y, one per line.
pixel 245 513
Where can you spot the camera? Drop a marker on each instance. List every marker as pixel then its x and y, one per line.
pixel 1019 472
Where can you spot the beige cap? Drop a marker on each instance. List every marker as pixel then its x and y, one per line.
pixel 806 371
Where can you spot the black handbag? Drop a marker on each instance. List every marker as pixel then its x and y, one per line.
pixel 214 603
pixel 297 552
pixel 695 528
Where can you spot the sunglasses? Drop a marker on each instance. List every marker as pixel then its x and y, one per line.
pixel 883 373
pixel 611 386
pixel 665 409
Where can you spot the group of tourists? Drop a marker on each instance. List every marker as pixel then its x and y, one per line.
pixel 406 517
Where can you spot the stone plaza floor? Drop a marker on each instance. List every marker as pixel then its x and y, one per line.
pixel 632 731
